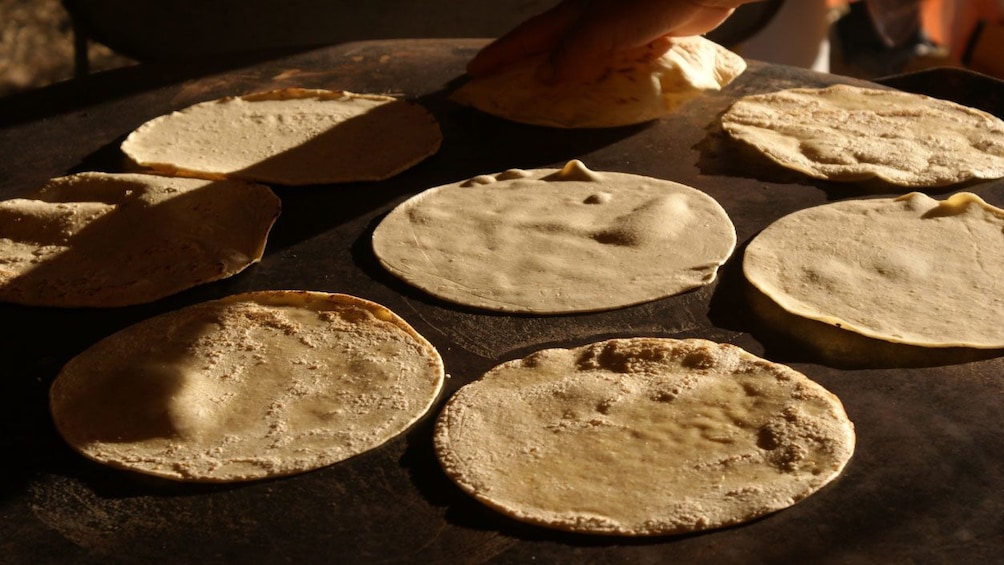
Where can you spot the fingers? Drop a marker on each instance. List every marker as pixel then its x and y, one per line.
pixel 618 28
pixel 538 34
pixel 581 35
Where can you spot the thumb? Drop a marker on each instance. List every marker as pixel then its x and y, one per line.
pixel 609 30
pixel 567 65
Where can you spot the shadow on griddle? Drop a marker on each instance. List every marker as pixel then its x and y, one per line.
pixel 45 339
pixel 109 158
pixel 720 154
pixel 958 84
pixel 477 143
pixel 474 143
pixel 365 259
pixel 112 483
pixel 787 338
pixel 307 210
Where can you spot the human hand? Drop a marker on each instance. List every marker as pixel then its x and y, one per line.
pixel 578 33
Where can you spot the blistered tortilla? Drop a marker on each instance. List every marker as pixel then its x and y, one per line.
pixel 910 270
pixel 251 386
pixel 551 241
pixel 848 133
pixel 642 436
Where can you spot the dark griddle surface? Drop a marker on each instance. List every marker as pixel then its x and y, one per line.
pixel 926 483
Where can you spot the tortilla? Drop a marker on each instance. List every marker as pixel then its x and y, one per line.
pixel 255 385
pixel 292 136
pixel 632 91
pixel 102 239
pixel 909 270
pixel 552 241
pixel 642 437
pixel 848 133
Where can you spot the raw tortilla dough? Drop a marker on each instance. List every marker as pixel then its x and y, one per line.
pixel 290 137
pixel 642 436
pixel 848 133
pixel 910 270
pixel 103 239
pixel 255 385
pixel 630 92
pixel 550 241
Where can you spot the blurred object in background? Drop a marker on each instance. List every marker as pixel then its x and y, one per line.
pixel 797 35
pixel 154 30
pixel 956 23
pixel 36 46
pixel 973 31
pixel 895 22
pixel 880 37
pixel 876 38
pixel 35 43
pixel 862 38
pixel 985 51
pixel 883 37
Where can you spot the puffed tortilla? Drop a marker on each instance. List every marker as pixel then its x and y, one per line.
pixel 642 437
pixel 911 270
pixel 848 133
pixel 255 385
pixel 105 239
pixel 292 136
pixel 632 91
pixel 553 241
